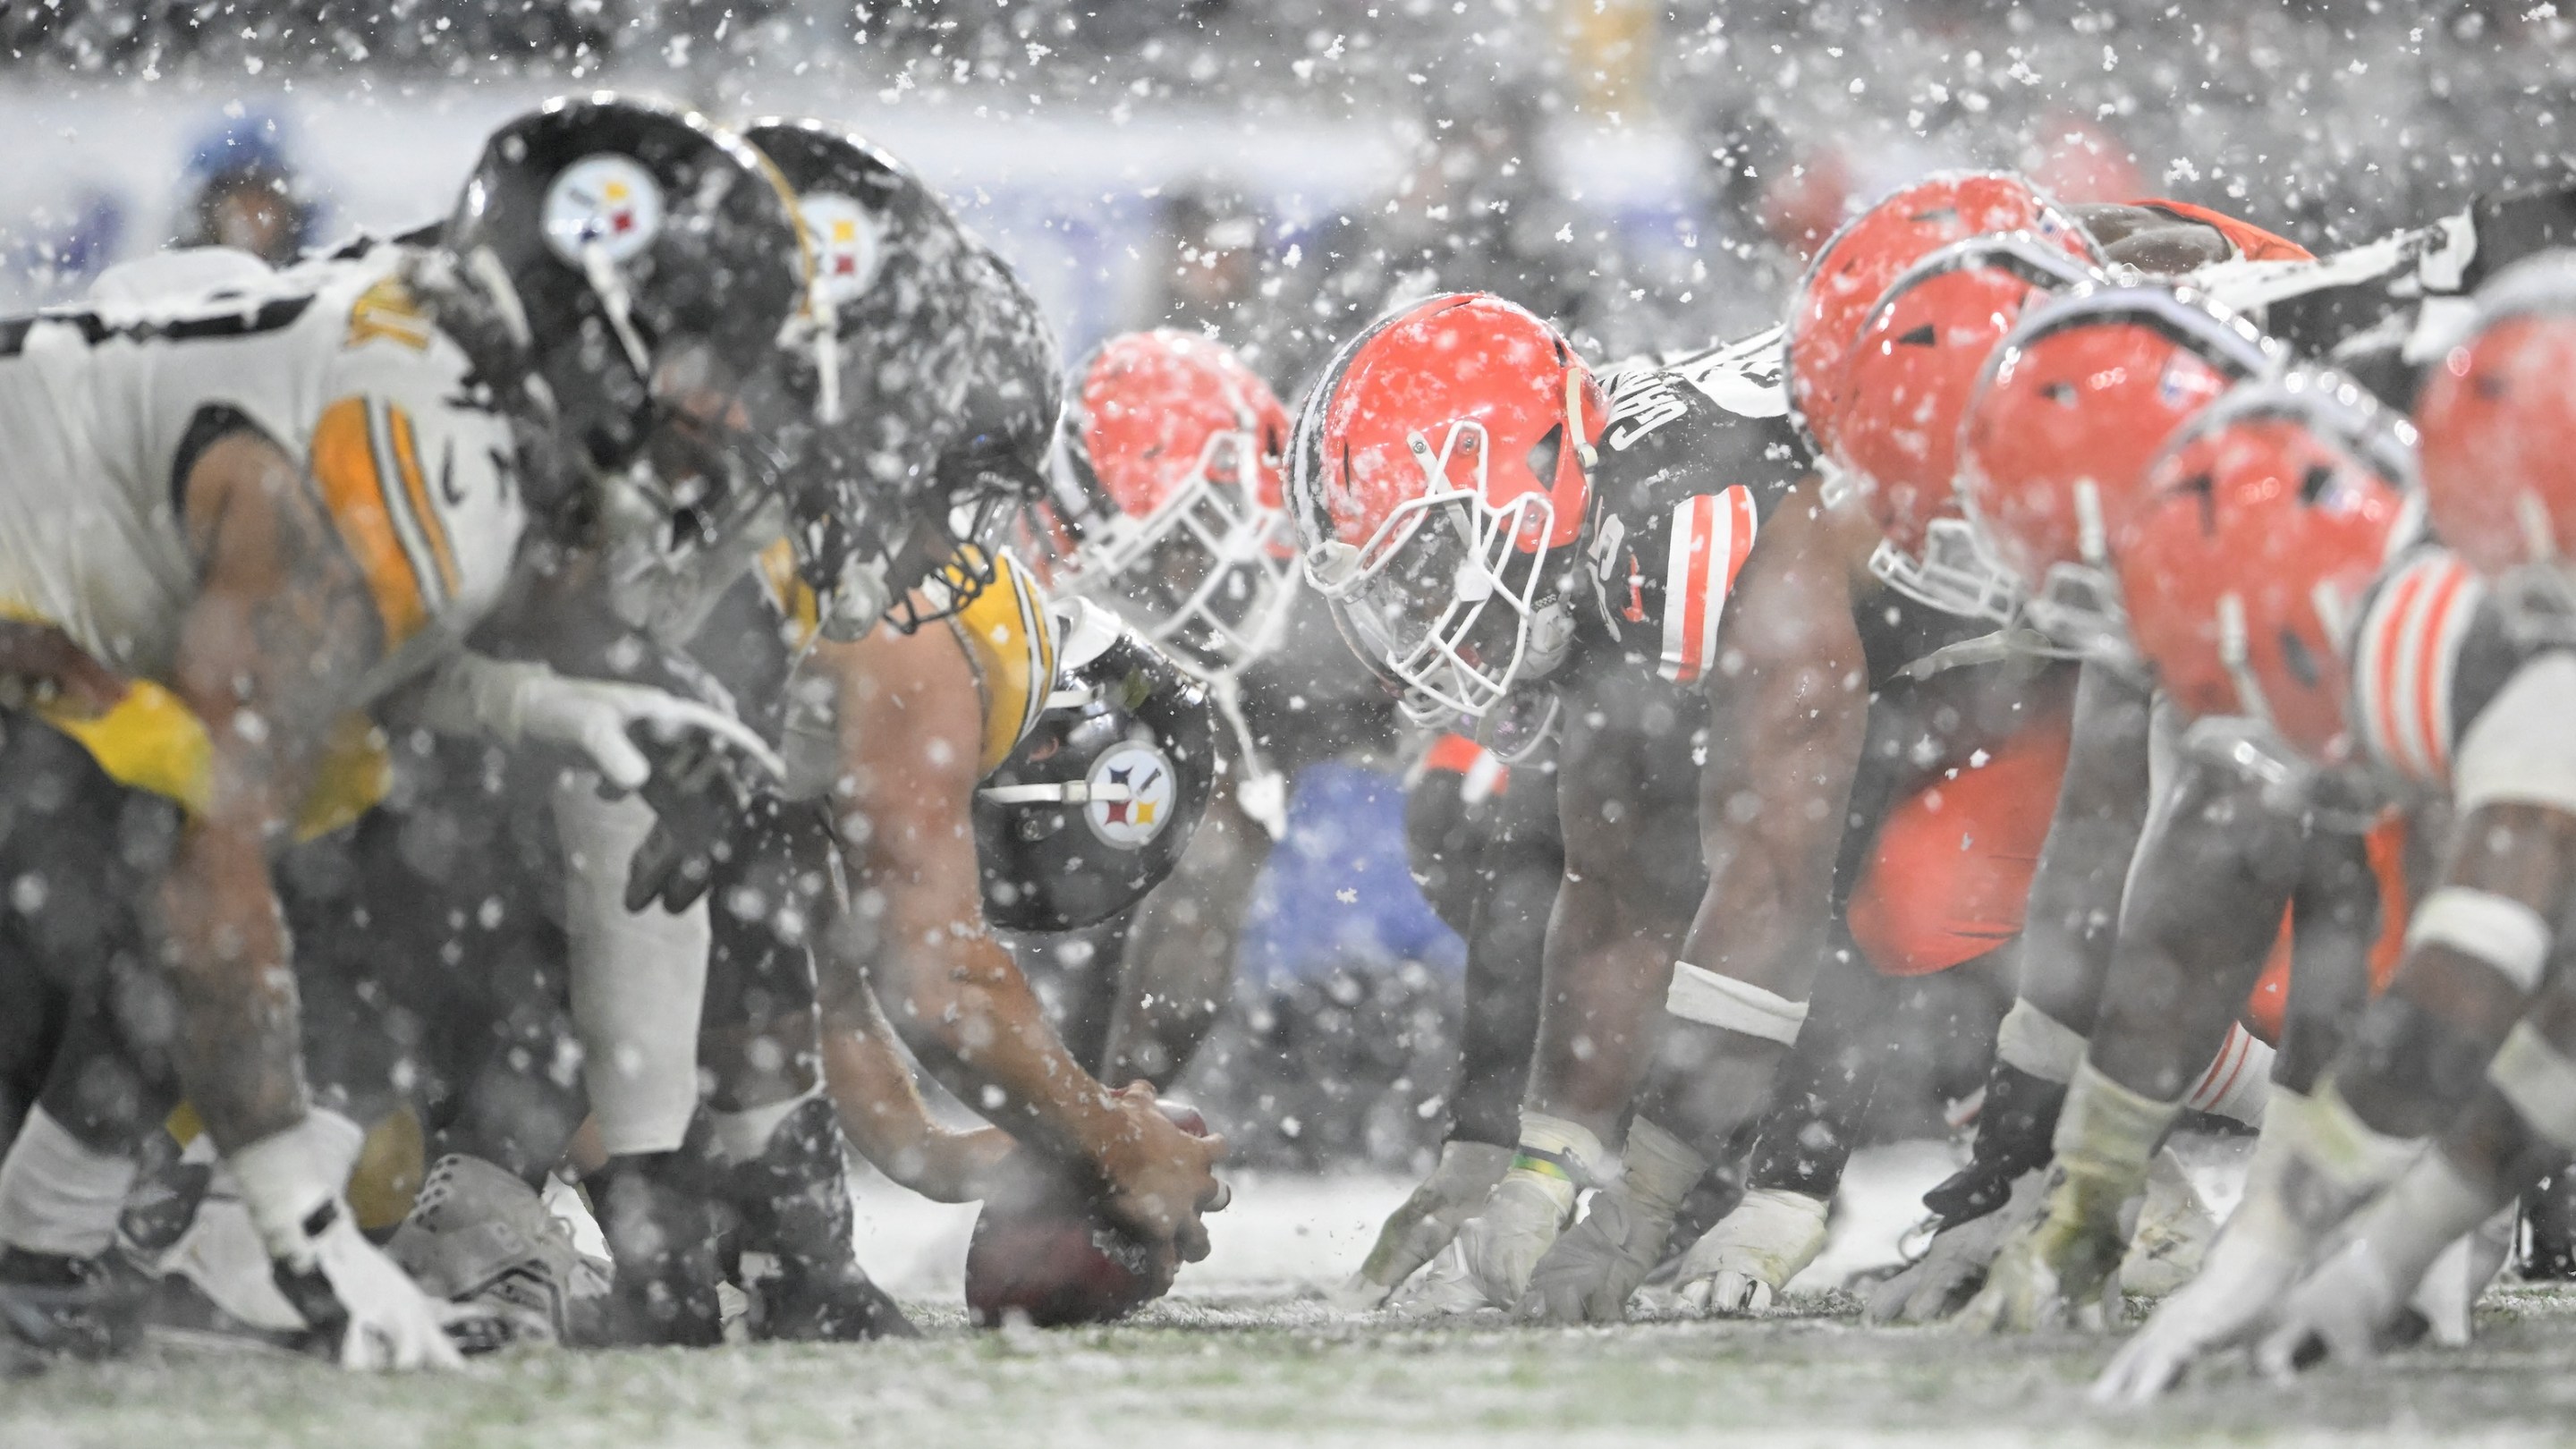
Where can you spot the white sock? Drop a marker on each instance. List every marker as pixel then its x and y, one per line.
pixel 59 1196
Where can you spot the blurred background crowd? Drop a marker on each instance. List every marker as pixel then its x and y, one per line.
pixel 1648 175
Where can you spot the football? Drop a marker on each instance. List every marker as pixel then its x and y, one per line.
pixel 1049 1254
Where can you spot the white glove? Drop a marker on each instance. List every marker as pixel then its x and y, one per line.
pixel 508 701
pixel 2434 1235
pixel 1501 1245
pixel 1590 1272
pixel 1740 1265
pixel 2450 1288
pixel 1588 1276
pixel 1953 1267
pixel 342 1286
pixel 2173 1235
pixel 1425 1223
pixel 2335 1312
pixel 2253 1261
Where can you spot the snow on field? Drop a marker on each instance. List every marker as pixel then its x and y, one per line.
pixel 1245 1353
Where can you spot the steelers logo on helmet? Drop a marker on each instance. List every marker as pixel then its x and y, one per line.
pixel 1132 790
pixel 848 246
pixel 606 200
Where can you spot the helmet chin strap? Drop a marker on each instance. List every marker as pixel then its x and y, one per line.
pixel 486 269
pixel 1574 419
pixel 2092 538
pixel 2235 655
pixel 610 284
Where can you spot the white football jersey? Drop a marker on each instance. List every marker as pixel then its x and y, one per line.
pixel 107 406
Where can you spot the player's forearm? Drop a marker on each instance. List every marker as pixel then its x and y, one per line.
pixel 887 1121
pixel 2214 875
pixel 2072 919
pixel 235 1043
pixel 1602 989
pixel 965 999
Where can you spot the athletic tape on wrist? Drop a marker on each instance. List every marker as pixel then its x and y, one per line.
pixel 2540 1082
pixel 1723 1002
pixel 2427 1209
pixel 285 1176
pixel 2331 1137
pixel 2032 1041
pixel 2108 1127
pixel 1560 1151
pixel 1659 1168
pixel 2510 937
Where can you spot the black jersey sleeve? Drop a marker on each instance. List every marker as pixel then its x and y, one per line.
pixel 1681 487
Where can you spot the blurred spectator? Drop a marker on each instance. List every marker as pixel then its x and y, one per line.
pixel 1802 204
pixel 243 191
pixel 2074 160
pixel 1345 1037
pixel 1207 268
pixel 56 255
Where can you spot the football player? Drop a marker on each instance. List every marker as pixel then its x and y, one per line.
pixel 888 729
pixel 1454 516
pixel 272 503
pixel 2467 1042
pixel 1164 506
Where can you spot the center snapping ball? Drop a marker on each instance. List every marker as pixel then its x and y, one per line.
pixel 1048 1252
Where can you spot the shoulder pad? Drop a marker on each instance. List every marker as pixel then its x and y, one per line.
pixel 1745 377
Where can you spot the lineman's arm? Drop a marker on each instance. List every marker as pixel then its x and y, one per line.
pixel 271 651
pixel 1788 709
pixel 882 1110
pixel 910 719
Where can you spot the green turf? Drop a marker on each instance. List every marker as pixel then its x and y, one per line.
pixel 1293 1374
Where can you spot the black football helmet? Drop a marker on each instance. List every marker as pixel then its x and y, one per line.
pixel 651 262
pixel 1095 807
pixel 935 388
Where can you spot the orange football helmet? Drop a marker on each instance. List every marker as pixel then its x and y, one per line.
pixel 2265 522
pixel 1904 391
pixel 2070 410
pixel 2499 431
pixel 1438 467
pixel 1165 499
pixel 1857 263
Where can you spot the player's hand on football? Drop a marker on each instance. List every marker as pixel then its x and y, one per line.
pixel 1954 1266
pixel 1741 1264
pixel 1159 1178
pixel 1426 1221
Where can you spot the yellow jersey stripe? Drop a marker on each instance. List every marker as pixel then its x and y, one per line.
pixel 789 594
pixel 406 451
pixel 344 469
pixel 1009 642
